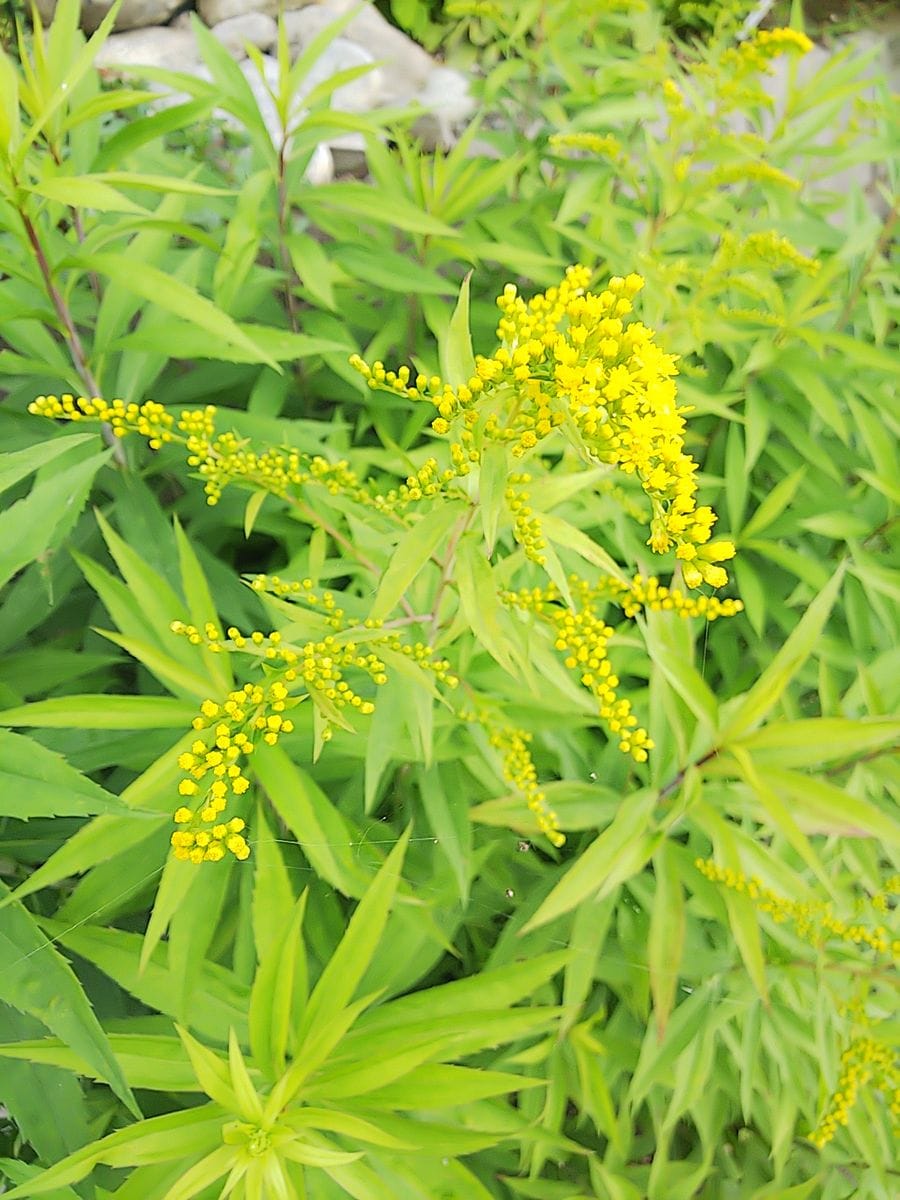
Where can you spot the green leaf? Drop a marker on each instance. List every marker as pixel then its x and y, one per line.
pixel 824 808
pixel 10 131
pixel 175 886
pixel 412 553
pixel 453 1085
pixel 87 193
pixel 496 988
pixel 818 740
pixel 30 527
pixel 779 813
pixel 272 997
pixel 148 1061
pixel 202 609
pixel 493 473
pixel 619 852
pixel 322 832
pixel 356 949
pixel 78 67
pixel 273 897
pixel 102 712
pixel 774 504
pixel 457 359
pixel 749 710
pixel 665 943
pixel 37 980
pixel 665 637
pixel 251 512
pixel 17 465
pixel 47 1104
pixel 449 821
pixel 35 782
pixel 176 1135
pixel 481 605
pixel 118 954
pixel 361 200
pixel 205 1173
pixel 212 1072
pixel 567 536
pixel 169 672
pixel 165 291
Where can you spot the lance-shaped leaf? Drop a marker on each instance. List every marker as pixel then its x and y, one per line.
pixel 457 359
pixel 176 1135
pixel 768 689
pixel 36 782
pixel 32 525
pixel 167 292
pixel 37 980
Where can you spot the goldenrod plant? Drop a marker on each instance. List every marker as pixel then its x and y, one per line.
pixel 447 693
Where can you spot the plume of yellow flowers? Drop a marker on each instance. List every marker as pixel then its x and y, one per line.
pixel 570 364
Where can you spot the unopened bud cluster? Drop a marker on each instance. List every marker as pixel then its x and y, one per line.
pixel 518 769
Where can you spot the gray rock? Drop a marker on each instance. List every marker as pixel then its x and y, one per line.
pixel 134 14
pixel 214 12
pixel 257 28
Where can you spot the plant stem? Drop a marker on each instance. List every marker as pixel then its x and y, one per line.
pixel 76 349
pixel 447 569
pixel 677 779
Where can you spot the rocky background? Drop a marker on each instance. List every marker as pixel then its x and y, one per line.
pixel 160 34
pixel 150 34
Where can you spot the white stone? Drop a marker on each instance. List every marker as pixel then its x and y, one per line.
pixel 449 103
pixel 261 86
pixel 174 49
pixel 359 95
pixel 214 12
pixel 406 66
pixel 257 28
pixel 320 168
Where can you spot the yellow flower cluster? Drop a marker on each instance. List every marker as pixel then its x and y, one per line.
pixel 302 592
pixel 581 636
pixel 673 98
pixel 526 526
pixel 519 771
pixel 428 481
pixel 865 1061
pixel 770 248
pixel 150 420
pixel 605 144
pixel 213 767
pixel 568 361
pixel 650 594
pixel 226 458
pixel 814 921
pixel 223 459
pixel 753 171
pixel 255 713
pixel 755 53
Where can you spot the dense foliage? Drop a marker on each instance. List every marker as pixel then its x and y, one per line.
pixel 449 635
